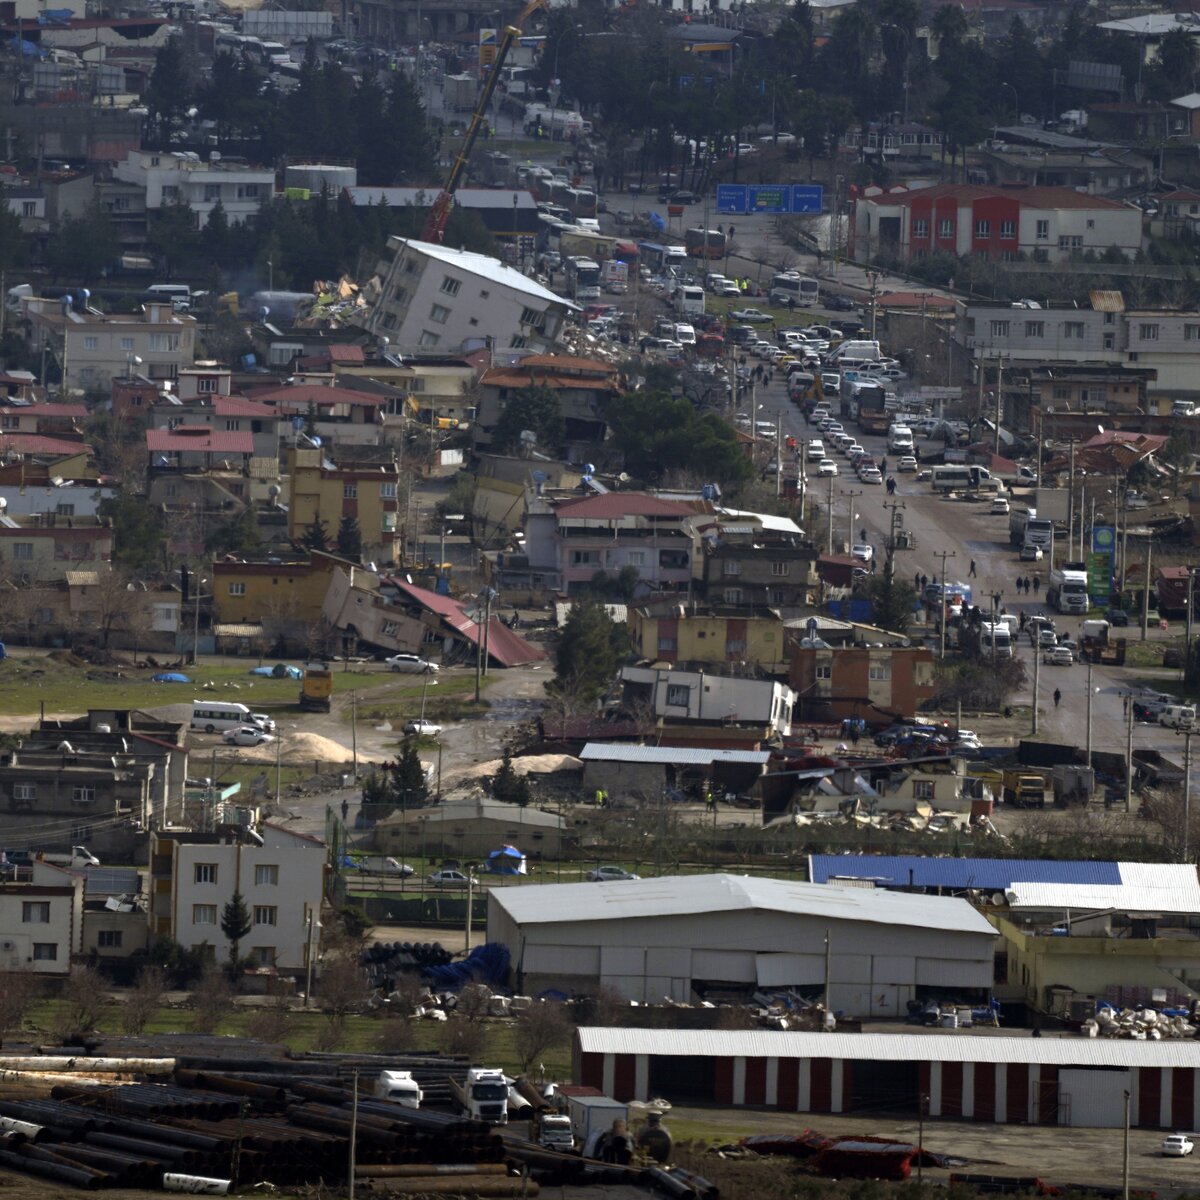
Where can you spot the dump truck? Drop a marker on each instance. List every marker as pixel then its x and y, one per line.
pixel 1024 789
pixel 483 1095
pixel 316 688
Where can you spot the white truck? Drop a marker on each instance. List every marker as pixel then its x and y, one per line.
pixel 79 858
pixel 592 1116
pixel 554 1131
pixel 400 1087
pixel 483 1095
pixel 614 277
pixel 1026 528
pixel 900 439
pixel 1067 588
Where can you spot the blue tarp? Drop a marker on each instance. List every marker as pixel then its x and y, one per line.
pixel 279 671
pixel 27 49
pixel 169 677
pixel 485 964
pixel 508 860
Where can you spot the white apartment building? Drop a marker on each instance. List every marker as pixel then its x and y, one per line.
pixel 676 696
pixel 41 926
pixel 92 349
pixel 1165 341
pixel 436 298
pixel 179 177
pixel 194 875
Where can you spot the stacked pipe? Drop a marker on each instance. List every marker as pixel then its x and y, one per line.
pixel 154 1099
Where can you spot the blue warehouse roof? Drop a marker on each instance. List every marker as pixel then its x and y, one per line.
pixel 990 874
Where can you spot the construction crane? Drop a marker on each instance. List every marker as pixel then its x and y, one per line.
pixel 439 213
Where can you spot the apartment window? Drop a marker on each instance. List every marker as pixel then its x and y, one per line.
pixel 265 914
pixel 920 228
pixel 1090 223
pixel 450 285
pixel 1070 242
pixel 824 671
pixel 127 344
pixel 1073 329
pixel 29 208
pixel 1062 393
pixel 109 939
pixel 922 789
pixel 1042 232
pixel 428 339
pixel 1148 332
pixel 999 329
pixel 350 491
pixel 45 951
pixel 733 595
pixel 1191 333
pixel 232 425
pixel 163 342
pixel 237 589
pixel 10 422
pixel 204 873
pixel 1035 329
pixel 266 875
pixel 534 317
pixel 207 384
pixel 387 491
pixel 677 695
pixel 1008 229
pixel 91 343
pixel 248 191
pixel 585 558
pixel 1110 318
pixel 170 192
pixel 731 566
pixel 23 551
pixel 518 343
pixel 264 956
pixel 946 227
pixel 735 646
pixel 1110 341
pixel 204 914
pixel 24 791
pixel 83 793
pixel 212 193
pixel 983 230
pixel 35 912
pixel 666 645
pixel 879 671
pixel 780 568
pixel 439 313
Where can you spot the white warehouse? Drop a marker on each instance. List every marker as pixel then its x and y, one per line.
pixel 690 936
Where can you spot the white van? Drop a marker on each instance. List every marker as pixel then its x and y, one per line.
pixel 685 335
pixel 1177 716
pixel 900 439
pixel 215 716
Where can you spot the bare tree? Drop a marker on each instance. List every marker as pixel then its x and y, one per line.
pixel 468 1038
pixel 212 999
pixel 19 992
pixel 541 1027
pixel 83 1001
pixel 272 1022
pixel 144 1000
pixel 397 1035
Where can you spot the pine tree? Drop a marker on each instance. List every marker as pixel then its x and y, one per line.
pixel 349 539
pixel 408 783
pixel 508 786
pixel 316 536
pixel 235 923
pixel 589 651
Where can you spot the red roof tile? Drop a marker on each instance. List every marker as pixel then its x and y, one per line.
pixel 239 406
pixel 346 354
pixel 39 443
pixel 623 504
pixel 202 441
pixel 301 395
pixel 77 412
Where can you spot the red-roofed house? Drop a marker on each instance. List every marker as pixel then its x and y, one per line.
pixel 198 446
pixel 50 418
pixel 228 414
pixel 1049 224
pixel 341 414
pixel 570 542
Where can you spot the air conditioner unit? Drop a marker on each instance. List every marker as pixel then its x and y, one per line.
pixel 8 946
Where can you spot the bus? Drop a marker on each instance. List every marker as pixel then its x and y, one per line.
pixel 704 243
pixel 958 477
pixel 583 278
pixel 796 291
pixel 215 716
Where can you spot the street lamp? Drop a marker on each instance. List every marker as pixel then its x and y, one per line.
pixel 1016 102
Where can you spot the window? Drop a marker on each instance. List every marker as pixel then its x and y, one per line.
pixel 1191 333
pixel 204 914
pixel 163 342
pixel 428 339
pixel 265 914
pixel 666 645
pixel 518 343
pixel 731 567
pixel 677 695
pixel 983 230
pixel 531 316
pixel 585 558
pixel 266 875
pixel 264 956
pixel 733 595
pixel 91 343
pixel 170 192
pixel 45 951
pixel 205 873
pixel 1110 341
pixel 232 425
pixel 824 671
pixel 636 558
pixel 1072 242
pixel 29 208
pixel 946 227
pixel 109 939
pixel 1073 329
pixel 1043 231
pixel 922 789
pixel 879 671
pixel 735 646
pixel 237 589
pixel 248 191
pixel 35 912
pixel 920 228
pixel 207 383
pixel 999 329
pixel 1008 229
pixel 484 293
pixel 439 313
pixel 780 568
pixel 1148 332
pixel 212 193
pixel 1061 392
pixel 10 422
pixel 450 285
pixel 127 343
pixel 350 491
pixel 24 791
pixel 1090 223
pixel 1035 329
pixel 83 793
pixel 387 491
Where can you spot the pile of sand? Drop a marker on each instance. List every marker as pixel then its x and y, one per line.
pixel 300 748
pixel 530 764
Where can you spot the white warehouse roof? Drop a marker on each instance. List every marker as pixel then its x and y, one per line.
pixel 679 756
pixel 695 895
pixel 1149 888
pixel 891 1047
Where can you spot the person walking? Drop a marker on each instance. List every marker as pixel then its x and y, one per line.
pixel 1037 583
pixel 1021 623
pixel 1020 583
pixel 971 574
pixel 917 581
pixel 1057 697
pixel 924 582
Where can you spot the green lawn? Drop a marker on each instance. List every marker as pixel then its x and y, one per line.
pixel 451 698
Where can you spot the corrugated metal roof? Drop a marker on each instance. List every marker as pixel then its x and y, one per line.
pixel 677 756
pixel 992 874
pixel 695 895
pixel 82 578
pixel 892 1047
pixel 1106 300
pixel 111 881
pixel 1144 888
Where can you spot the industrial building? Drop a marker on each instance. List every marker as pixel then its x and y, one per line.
pixel 720 936
pixel 1070 1081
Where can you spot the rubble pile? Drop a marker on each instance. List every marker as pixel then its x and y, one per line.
pixel 1139 1024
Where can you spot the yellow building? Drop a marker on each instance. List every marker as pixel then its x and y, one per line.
pixel 282 596
pixel 327 492
pixel 679 632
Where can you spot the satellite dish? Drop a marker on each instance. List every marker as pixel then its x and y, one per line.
pixel 623 477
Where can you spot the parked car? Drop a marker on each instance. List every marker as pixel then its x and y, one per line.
pixel 1030 553
pixel 1177 1145
pixel 863 552
pixel 1118 617
pixel 246 735
pixel 422 728
pixel 411 664
pixel 999 507
pixel 452 879
pixel 906 463
pixel 870 475
pixel 1044 639
pixel 610 874
pixel 835 303
pixel 753 316
pixel 1057 656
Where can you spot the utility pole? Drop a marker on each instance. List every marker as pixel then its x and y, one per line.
pixel 778 454
pixel 829 513
pixel 1146 589
pixel 896 507
pixel 999 399
pixel 1089 712
pixel 1129 752
pixel 1037 680
pixel 943 555
pixel 1125 1155
pixel 1071 499
pixel 1187 735
pixel 851 496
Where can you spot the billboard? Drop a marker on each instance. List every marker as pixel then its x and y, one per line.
pixel 740 199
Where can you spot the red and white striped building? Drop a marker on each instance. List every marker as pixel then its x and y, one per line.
pixel 1071 1081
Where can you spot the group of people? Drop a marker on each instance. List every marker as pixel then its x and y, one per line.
pixel 1028 583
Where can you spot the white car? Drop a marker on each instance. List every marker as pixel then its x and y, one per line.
pixel 906 463
pixel 411 664
pixel 852 449
pixel 870 475
pixel 452 879
pixel 999 507
pixel 246 735
pixel 827 468
pixel 1030 553
pixel 422 728
pixel 863 552
pixel 1177 1145
pixel 610 874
